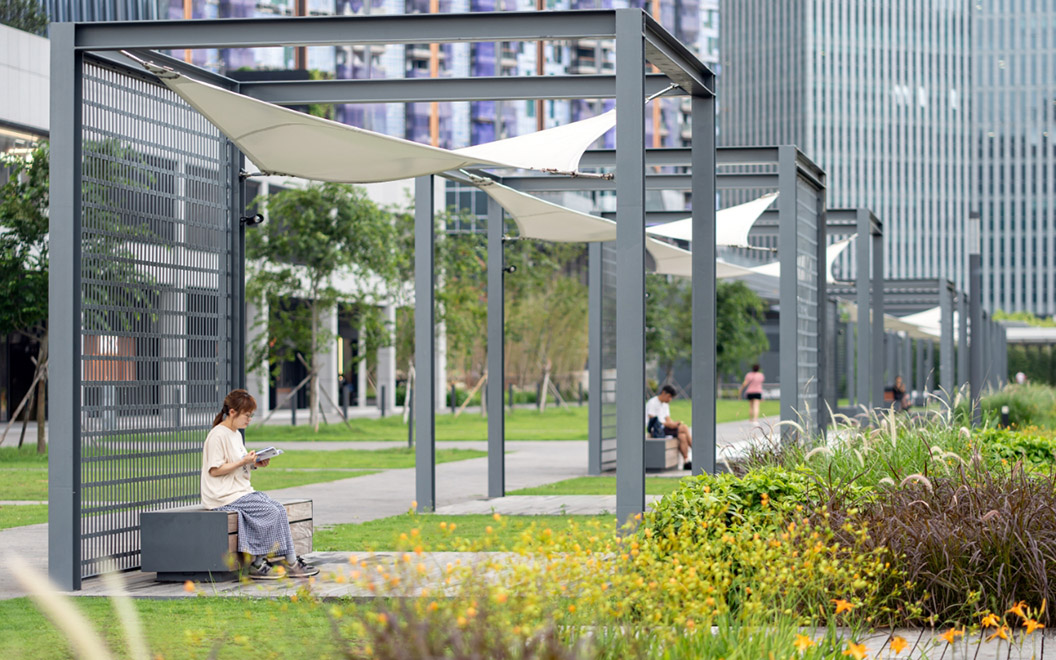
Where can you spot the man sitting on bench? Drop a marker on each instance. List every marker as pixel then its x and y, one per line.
pixel 659 423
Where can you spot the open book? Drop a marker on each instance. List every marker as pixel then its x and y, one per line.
pixel 268 452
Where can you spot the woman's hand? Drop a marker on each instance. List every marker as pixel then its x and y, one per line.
pixel 249 458
pixel 263 462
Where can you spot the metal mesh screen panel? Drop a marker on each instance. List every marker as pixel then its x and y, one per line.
pixel 608 356
pixel 807 329
pixel 156 331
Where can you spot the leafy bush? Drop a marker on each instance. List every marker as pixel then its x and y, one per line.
pixel 1027 405
pixel 1031 445
pixel 971 540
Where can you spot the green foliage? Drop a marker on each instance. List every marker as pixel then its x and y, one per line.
pixel 1027 405
pixel 24 244
pixel 669 323
pixel 1038 363
pixel 1033 446
pixel 312 236
pixel 1025 317
pixel 26 15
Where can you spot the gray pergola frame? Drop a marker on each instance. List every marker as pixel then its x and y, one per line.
pixel 869 261
pixel 639 40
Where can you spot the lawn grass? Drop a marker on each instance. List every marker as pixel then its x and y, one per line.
pixel 16 515
pixel 598 486
pixel 521 424
pixel 183 628
pixel 25 476
pixel 384 533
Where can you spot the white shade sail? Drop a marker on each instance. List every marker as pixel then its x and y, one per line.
pixel 540 219
pixel 283 141
pixel 895 324
pixel 731 225
pixel 773 268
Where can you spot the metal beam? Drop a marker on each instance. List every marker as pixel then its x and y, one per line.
pixel 496 353
pixel 630 269
pixel 424 90
pixel 788 322
pixel 652 182
pixel 424 346
pixel 877 305
pixel 683 156
pixel 64 307
pixel 674 59
pixel 975 365
pixel 344 30
pixel 863 247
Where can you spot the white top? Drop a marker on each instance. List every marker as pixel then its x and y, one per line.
pixel 223 445
pixel 654 407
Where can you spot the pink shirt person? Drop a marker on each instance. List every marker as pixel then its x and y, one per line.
pixel 753 383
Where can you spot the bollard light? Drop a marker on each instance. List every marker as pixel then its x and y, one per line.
pixel 1004 416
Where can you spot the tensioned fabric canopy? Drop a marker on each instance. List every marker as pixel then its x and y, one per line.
pixel 732 225
pixel 832 252
pixel 283 141
pixel 543 220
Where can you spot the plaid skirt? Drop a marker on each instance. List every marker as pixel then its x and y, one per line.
pixel 262 525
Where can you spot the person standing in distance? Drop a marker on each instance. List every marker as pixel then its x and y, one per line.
pixel 658 417
pixel 752 388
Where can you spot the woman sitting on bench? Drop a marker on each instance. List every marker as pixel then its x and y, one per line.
pixel 263 530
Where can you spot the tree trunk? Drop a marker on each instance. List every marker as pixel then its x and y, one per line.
pixel 313 385
pixel 42 363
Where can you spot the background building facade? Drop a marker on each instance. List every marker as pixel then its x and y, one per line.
pixel 1014 108
pixel 878 95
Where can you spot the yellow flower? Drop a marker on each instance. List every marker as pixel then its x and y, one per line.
pixel 1017 609
pixel 1002 632
pixel 1031 625
pixel 898 644
pixel 188 586
pixel 990 621
pixel 951 635
pixel 803 643
pixel 842 605
pixel 857 651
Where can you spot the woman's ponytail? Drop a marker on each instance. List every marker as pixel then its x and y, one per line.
pixel 240 401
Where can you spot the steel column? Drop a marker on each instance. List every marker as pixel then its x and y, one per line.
pixel 789 285
pixel 594 296
pixel 947 381
pixel 630 271
pixel 962 340
pixel 238 270
pixel 866 300
pixel 876 308
pixel 496 353
pixel 907 361
pixel 921 372
pixel 975 365
pixel 929 366
pixel 852 397
pixel 703 289
pixel 826 333
pixel 424 346
pixel 64 307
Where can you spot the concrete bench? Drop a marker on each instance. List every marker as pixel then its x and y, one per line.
pixel 662 454
pixel 194 543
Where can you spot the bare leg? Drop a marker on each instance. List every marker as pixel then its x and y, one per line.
pixel 685 441
pixel 754 408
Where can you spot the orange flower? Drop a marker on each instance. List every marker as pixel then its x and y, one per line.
pixel 842 605
pixel 803 643
pixel 857 651
pixel 1002 632
pixel 951 635
pixel 1031 625
pixel 1017 609
pixel 990 621
pixel 898 644
pixel 188 586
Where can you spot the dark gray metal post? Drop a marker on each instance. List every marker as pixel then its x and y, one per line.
pixel 789 286
pixel 962 340
pixel 947 379
pixel 703 268
pixel 876 338
pixel 630 270
pixel 238 268
pixel 424 345
pixel 496 354
pixel 826 331
pixel 929 367
pixel 64 307
pixel 594 358
pixel 975 365
pixel 866 299
pixel 921 371
pixel 852 396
